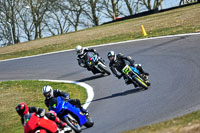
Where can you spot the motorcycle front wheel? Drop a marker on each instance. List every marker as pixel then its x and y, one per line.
pixel 73 123
pixel 104 69
pixel 89 123
pixel 141 83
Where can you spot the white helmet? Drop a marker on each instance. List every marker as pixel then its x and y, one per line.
pixel 111 56
pixel 47 91
pixel 79 49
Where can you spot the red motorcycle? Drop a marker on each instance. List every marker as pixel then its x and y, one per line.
pixel 35 124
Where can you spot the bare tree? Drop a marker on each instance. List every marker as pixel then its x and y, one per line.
pixel 56 19
pixel 182 2
pixel 151 4
pixel 38 10
pixel 112 8
pixel 25 24
pixel 9 21
pixel 93 10
pixel 76 9
pixel 132 6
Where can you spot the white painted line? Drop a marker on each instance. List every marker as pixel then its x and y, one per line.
pixel 88 88
pixel 160 37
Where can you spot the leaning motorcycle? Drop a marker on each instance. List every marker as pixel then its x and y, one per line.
pixel 70 114
pixel 94 62
pixel 135 77
pixel 35 124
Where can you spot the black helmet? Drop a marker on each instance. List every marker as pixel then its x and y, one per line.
pixel 111 56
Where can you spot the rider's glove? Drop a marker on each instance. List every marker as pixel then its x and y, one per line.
pixel 67 97
pixel 42 114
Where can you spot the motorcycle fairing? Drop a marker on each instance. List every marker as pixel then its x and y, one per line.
pixel 62 106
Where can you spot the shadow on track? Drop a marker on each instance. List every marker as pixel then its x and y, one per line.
pixel 119 94
pixel 92 78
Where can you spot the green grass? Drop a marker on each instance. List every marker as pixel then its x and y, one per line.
pixel 183 20
pixel 110 39
pixel 30 92
pixel 189 123
pixel 178 21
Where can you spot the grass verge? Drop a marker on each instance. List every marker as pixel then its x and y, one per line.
pixel 189 123
pixel 30 92
pixel 182 20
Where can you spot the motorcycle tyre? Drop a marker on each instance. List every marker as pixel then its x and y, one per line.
pixel 89 123
pixel 104 69
pixel 76 128
pixel 141 83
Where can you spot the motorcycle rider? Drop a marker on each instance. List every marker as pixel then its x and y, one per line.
pixel 118 62
pixel 49 94
pixel 82 57
pixel 22 109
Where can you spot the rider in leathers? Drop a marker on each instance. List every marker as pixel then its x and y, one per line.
pixel 22 109
pixel 118 62
pixel 49 93
pixel 82 57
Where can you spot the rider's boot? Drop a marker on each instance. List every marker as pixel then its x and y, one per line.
pixel 139 67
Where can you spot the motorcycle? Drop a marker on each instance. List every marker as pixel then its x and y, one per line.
pixel 95 63
pixel 35 124
pixel 133 74
pixel 70 114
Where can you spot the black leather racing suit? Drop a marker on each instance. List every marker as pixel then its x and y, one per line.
pixel 65 96
pixel 83 58
pixel 120 62
pixel 41 113
pixel 38 111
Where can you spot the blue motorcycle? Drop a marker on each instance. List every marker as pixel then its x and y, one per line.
pixel 70 114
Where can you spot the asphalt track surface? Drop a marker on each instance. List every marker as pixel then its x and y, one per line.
pixel 174 67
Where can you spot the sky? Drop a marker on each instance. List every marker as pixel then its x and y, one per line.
pixel 166 4
pixel 170 3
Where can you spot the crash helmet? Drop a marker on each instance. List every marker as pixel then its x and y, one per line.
pixel 79 50
pixel 47 91
pixel 22 109
pixel 111 56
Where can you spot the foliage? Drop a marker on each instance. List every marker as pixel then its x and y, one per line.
pixel 30 92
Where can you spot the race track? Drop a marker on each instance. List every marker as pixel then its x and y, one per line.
pixel 174 67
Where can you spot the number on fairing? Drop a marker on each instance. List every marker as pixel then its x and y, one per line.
pixel 126 69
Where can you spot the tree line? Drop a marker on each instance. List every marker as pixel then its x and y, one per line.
pixel 26 20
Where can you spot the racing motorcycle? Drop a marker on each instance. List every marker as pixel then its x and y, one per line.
pixel 95 63
pixel 35 124
pixel 133 75
pixel 70 114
